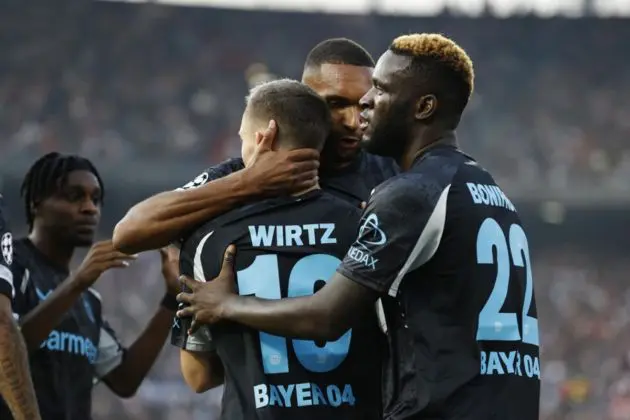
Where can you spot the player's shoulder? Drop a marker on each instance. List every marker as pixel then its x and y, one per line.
pixel 424 184
pixel 225 168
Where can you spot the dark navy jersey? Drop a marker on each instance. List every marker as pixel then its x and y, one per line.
pixel 6 246
pixel 353 183
pixel 79 350
pixel 445 248
pixel 287 247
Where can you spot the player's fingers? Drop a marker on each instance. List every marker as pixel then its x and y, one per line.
pixel 267 137
pixel 228 260
pixel 305 167
pixel 303 185
pixel 305 155
pixel 362 205
pixel 116 264
pixel 194 326
pixel 184 298
pixel 116 259
pixel 307 176
pixel 185 312
pixel 111 254
pixel 188 282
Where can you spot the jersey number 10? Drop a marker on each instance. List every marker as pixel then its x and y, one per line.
pixel 495 325
pixel 262 278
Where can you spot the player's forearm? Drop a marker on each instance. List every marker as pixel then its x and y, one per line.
pixel 294 317
pixel 201 370
pixel 127 377
pixel 166 217
pixel 38 323
pixel 16 387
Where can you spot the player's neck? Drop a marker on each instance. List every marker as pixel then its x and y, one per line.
pixel 424 139
pixel 313 188
pixel 56 253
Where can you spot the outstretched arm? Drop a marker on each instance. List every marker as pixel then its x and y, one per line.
pixel 166 217
pixel 127 377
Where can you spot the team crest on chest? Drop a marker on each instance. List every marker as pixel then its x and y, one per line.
pixel 6 243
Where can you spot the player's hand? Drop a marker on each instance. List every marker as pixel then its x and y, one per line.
pixel 276 172
pixel 170 269
pixel 101 257
pixel 207 300
pixel 363 205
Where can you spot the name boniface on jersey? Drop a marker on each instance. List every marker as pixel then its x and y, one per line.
pixel 292 235
pixel 302 395
pixel 489 195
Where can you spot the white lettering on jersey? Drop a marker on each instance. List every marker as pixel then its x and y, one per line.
pixel 292 235
pixel 489 195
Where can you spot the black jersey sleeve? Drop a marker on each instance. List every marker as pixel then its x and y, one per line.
pixel 193 262
pixel 6 246
pixel 220 170
pixel 399 231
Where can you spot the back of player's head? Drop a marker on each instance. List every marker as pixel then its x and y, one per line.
pixel 338 51
pixel 47 175
pixel 302 116
pixel 438 66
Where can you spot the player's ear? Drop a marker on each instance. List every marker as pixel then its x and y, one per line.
pixel 33 209
pixel 425 107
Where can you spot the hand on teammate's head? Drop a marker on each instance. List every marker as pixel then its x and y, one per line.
pixel 278 172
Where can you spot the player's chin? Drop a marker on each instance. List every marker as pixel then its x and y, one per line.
pixel 83 239
pixel 372 145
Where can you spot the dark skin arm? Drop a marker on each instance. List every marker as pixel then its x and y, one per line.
pixel 16 386
pixel 37 324
pixel 326 315
pixel 127 377
pixel 168 216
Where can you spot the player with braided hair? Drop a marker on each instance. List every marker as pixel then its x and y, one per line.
pixel 69 342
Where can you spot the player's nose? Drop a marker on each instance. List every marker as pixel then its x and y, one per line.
pixel 367 100
pixel 352 118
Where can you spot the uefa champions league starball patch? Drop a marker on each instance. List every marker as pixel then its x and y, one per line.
pixel 6 243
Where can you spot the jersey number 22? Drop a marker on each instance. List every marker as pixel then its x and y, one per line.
pixel 495 325
pixel 262 278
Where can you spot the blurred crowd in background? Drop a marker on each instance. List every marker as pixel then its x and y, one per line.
pixel 148 86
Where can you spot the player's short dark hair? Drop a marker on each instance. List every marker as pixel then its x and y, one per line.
pixel 302 116
pixel 443 65
pixel 338 51
pixel 47 175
